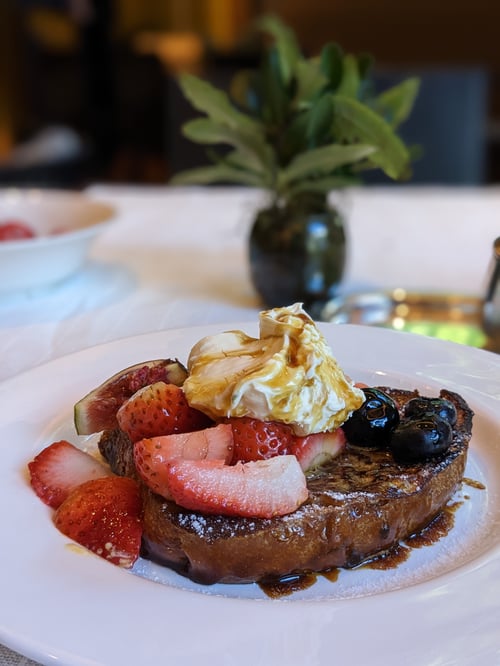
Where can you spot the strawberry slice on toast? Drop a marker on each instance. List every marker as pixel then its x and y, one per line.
pixel 259 440
pixel 151 455
pixel 317 449
pixel 260 489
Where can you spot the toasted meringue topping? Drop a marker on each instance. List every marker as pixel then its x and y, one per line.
pixel 288 374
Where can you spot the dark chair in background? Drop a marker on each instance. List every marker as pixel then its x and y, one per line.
pixel 448 122
pixel 181 153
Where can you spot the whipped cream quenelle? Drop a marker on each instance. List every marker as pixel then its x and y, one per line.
pixel 288 374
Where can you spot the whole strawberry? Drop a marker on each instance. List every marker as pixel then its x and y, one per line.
pixel 159 409
pixel 260 440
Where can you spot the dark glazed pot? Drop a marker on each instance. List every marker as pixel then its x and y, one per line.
pixel 297 254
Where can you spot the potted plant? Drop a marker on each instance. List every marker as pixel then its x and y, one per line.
pixel 298 128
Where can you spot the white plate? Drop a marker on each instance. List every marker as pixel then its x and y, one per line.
pixel 440 607
pixel 65 224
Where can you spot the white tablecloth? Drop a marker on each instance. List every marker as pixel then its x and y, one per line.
pixel 177 257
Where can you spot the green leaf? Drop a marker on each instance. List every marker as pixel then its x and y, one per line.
pixel 217 173
pixel 367 165
pixel 295 137
pixel 310 81
pixel 205 130
pixel 331 64
pixel 251 144
pixel 365 64
pixel 356 123
pixel 396 103
pixel 416 152
pixel 324 160
pixel 263 175
pixel 322 185
pixel 215 103
pixel 286 44
pixel 273 89
pixel 319 121
pixel 349 83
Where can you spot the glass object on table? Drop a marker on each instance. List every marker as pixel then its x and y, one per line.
pixel 491 307
pixel 466 319
pixel 454 317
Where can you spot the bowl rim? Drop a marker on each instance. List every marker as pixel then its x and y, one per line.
pixel 36 196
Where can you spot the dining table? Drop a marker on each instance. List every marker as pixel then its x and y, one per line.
pixel 176 257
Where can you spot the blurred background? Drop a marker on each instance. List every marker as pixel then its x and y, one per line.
pixel 88 91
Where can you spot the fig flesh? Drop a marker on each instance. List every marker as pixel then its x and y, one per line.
pixel 97 410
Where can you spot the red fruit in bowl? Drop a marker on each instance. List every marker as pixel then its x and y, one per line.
pixel 159 409
pixel 12 230
pixel 259 489
pixel 259 440
pixel 104 516
pixel 152 455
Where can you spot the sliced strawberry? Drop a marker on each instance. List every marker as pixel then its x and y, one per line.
pixel 159 409
pixel 59 468
pixel 152 455
pixel 104 515
pixel 314 450
pixel 260 489
pixel 259 440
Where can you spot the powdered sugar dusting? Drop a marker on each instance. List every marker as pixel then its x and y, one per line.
pixel 467 541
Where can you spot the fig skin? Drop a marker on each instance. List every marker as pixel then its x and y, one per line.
pixel 97 410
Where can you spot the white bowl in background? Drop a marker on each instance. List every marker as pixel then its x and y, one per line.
pixel 64 222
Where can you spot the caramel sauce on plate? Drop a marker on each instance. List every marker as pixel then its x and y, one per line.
pixel 474 484
pixel 438 528
pixel 281 587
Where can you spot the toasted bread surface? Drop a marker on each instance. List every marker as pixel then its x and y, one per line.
pixel 361 503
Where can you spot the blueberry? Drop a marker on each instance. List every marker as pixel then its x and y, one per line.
pixel 439 406
pixel 420 438
pixel 372 424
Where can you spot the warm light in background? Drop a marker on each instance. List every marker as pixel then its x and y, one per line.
pixel 225 22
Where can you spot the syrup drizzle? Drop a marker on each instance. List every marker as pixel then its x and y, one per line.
pixel 295 582
pixel 474 484
pixel 438 528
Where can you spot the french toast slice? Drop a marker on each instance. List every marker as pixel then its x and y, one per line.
pixel 360 504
